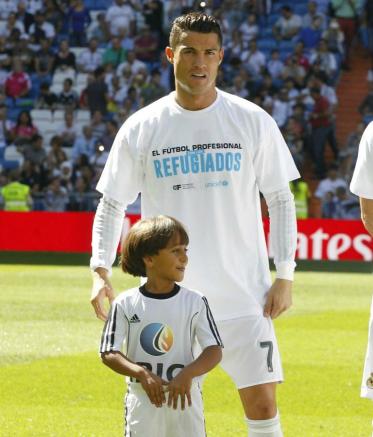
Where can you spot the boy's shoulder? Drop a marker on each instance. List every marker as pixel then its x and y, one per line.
pixel 127 295
pixel 192 294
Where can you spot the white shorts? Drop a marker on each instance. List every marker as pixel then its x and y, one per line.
pixel 250 355
pixel 142 418
pixel 367 382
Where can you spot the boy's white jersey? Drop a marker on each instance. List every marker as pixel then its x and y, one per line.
pixel 206 168
pixel 160 332
pixel 362 179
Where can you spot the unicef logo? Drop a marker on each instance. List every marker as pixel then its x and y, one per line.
pixel 156 339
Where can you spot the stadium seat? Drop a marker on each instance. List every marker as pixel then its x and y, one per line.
pixel 83 116
pixel 266 44
pixel 60 75
pixel 77 51
pixel 41 114
pixel 58 116
pixel 12 158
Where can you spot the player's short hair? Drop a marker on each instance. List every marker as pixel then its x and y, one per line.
pixel 194 22
pixel 146 238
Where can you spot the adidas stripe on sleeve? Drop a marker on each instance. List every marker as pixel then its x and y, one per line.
pixel 206 331
pixel 115 330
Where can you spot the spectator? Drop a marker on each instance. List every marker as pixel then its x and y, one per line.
pixel 33 6
pixel 166 72
pixel 41 29
pixel 302 196
pixel 121 15
pixel 66 173
pixel 115 54
pixel 68 97
pixel 110 134
pixel 153 14
pixel 294 71
pixel 368 15
pixel 330 183
pixel 46 99
pixel 312 13
pixel 99 29
pixel 84 144
pixel 135 65
pixel 68 131
pixel 146 45
pixel 249 28
pixel 292 132
pixel 238 87
pixel 5 56
pixel 348 155
pixel 98 126
pixel 366 106
pixel 328 205
pixel 32 175
pixel 311 36
pixel 97 92
pixel 90 58
pixel 35 153
pixel 322 126
pixel 44 59
pixel 24 130
pixel 6 126
pixel 56 155
pixel 55 14
pixel 300 57
pixel 334 38
pixel 327 60
pixel 11 24
pixel 18 83
pixel 64 58
pixel 153 90
pixel 81 198
pixel 23 16
pixel 78 21
pixel 15 195
pixel 288 25
pixel 346 13
pixel 346 206
pixel 275 66
pixel 7 7
pixel 254 60
pixel 56 197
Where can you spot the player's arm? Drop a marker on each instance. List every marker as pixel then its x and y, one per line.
pixel 283 230
pixel 366 206
pixel 107 227
pixel 151 383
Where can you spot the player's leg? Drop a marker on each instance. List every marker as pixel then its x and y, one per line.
pixel 259 403
pixel 367 382
pixel 252 359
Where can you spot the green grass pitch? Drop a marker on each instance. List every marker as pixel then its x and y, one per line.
pixel 52 382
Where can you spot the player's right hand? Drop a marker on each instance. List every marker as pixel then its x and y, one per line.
pixel 154 387
pixel 101 289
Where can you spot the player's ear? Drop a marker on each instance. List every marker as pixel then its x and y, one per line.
pixel 170 54
pixel 221 55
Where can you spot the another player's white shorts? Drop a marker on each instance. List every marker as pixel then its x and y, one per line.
pixel 367 382
pixel 143 419
pixel 250 354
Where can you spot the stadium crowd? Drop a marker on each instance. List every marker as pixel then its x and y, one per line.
pixel 71 72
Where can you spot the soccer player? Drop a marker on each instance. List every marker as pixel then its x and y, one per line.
pixel 202 155
pixel 160 323
pixel 362 186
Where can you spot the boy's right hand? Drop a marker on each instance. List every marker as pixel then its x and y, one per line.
pixel 154 387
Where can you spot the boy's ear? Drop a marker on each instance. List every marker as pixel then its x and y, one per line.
pixel 148 261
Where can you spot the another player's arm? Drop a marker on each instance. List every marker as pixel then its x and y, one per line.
pixel 283 237
pixel 107 227
pixel 151 383
pixel 181 384
pixel 366 206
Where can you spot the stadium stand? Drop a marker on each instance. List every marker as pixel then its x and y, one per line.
pixel 266 63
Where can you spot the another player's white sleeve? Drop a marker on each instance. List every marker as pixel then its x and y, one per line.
pixel 283 231
pixel 206 331
pixel 362 179
pixel 115 329
pixel 107 228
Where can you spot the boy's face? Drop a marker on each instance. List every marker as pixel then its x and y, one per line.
pixel 169 263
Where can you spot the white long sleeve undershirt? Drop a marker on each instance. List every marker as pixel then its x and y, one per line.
pixel 108 222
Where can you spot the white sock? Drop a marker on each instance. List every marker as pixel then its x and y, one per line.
pixel 265 428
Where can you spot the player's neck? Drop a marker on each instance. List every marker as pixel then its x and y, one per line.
pixel 158 285
pixel 193 102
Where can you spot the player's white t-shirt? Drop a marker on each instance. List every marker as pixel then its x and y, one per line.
pixel 362 179
pixel 160 331
pixel 205 168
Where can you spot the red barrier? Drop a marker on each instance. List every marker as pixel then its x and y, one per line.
pixel 71 232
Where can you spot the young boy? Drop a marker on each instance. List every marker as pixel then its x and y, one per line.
pixel 160 324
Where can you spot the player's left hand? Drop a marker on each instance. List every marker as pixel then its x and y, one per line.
pixel 278 298
pixel 180 386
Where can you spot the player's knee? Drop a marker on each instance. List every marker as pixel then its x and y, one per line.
pixel 262 408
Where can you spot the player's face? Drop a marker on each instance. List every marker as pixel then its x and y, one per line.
pixel 169 264
pixel 196 61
